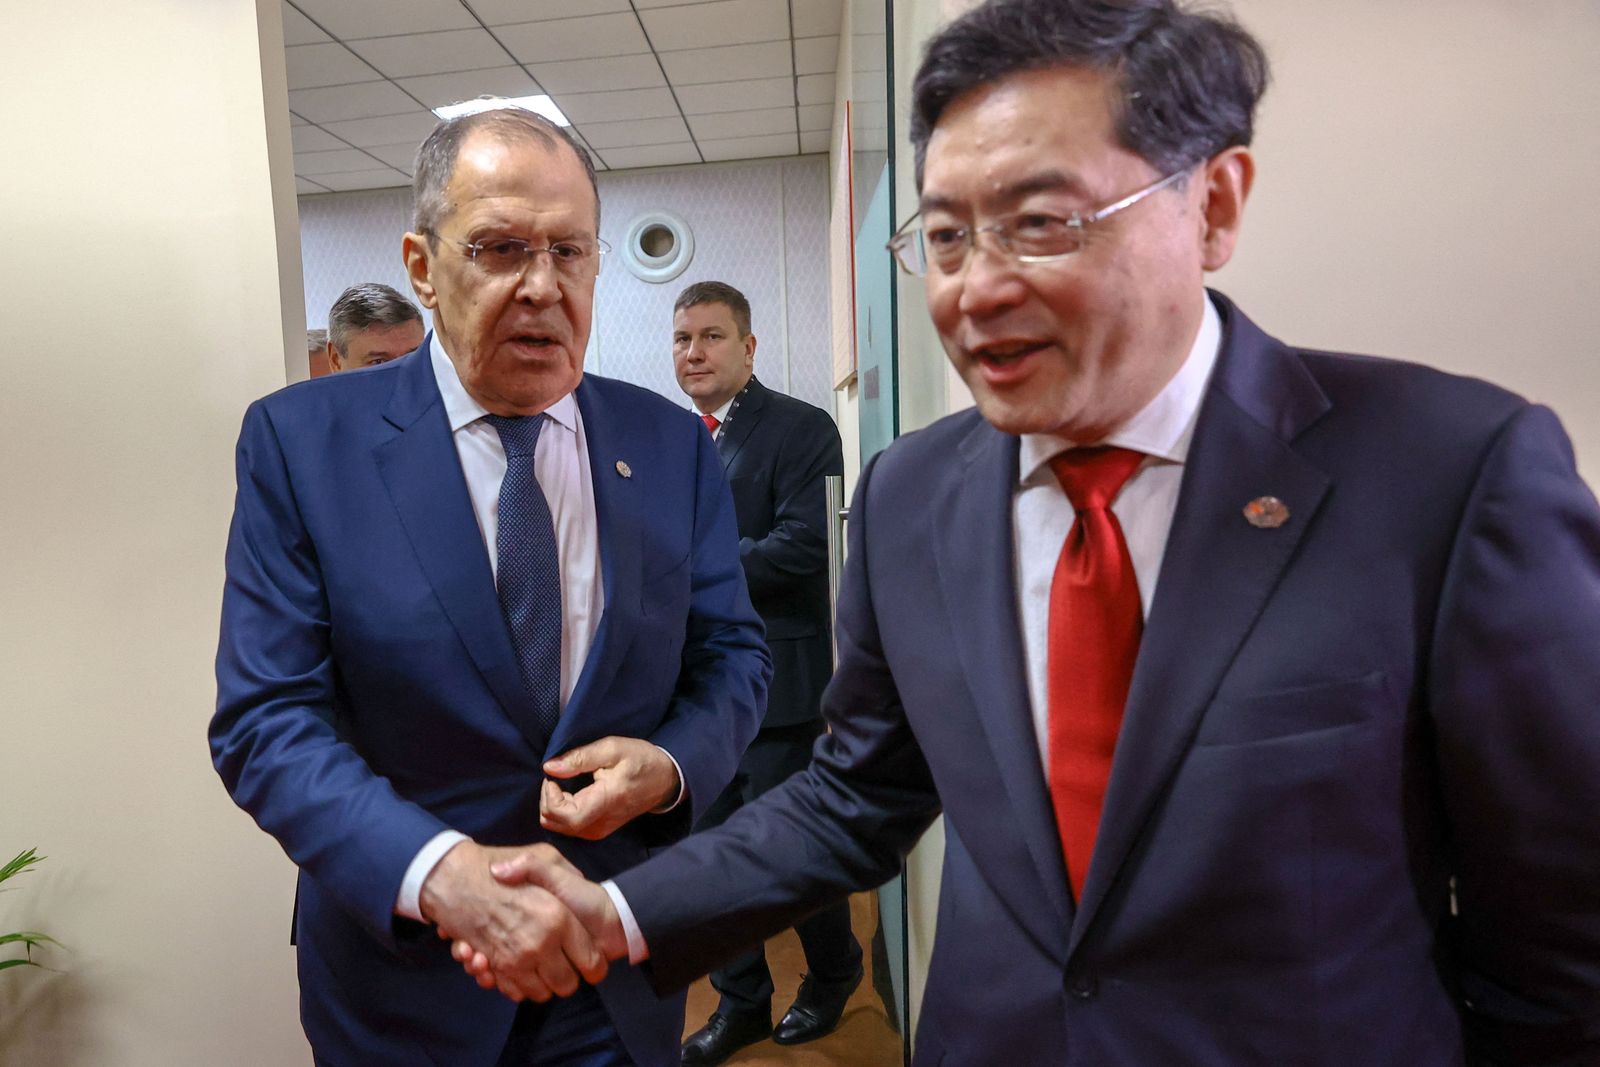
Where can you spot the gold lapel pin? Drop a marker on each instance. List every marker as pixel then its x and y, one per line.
pixel 623 469
pixel 1266 512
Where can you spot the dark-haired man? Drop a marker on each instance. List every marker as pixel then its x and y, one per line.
pixel 371 324
pixel 777 451
pixel 1256 684
pixel 478 598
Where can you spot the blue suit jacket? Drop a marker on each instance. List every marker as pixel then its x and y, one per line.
pixel 368 690
pixel 1329 722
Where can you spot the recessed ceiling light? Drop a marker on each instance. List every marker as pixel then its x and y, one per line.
pixel 540 104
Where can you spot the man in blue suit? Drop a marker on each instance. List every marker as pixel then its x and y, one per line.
pixel 1257 685
pixel 474 599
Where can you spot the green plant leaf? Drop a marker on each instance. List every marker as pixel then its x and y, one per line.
pixel 4 964
pixel 29 938
pixel 20 863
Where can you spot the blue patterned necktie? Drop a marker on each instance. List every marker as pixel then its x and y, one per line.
pixel 527 569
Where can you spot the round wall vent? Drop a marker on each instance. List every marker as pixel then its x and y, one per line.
pixel 658 247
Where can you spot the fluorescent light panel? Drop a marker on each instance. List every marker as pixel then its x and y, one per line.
pixel 540 104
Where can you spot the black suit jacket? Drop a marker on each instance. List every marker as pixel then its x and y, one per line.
pixel 776 451
pixel 1333 724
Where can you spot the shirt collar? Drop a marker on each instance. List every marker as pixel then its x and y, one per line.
pixel 1164 427
pixel 463 410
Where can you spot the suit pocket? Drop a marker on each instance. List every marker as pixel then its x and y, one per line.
pixel 1293 711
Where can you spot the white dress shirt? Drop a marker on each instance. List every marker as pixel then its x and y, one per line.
pixel 1042 516
pixel 561 464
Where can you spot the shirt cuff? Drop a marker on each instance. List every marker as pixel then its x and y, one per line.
pixel 638 951
pixel 682 789
pixel 409 903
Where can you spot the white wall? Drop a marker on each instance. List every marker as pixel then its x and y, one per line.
pixel 760 226
pixel 145 300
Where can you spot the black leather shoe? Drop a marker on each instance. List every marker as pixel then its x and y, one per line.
pixel 722 1036
pixel 817 1010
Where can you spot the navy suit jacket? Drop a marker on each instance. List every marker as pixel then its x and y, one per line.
pixel 777 451
pixel 1331 724
pixel 368 693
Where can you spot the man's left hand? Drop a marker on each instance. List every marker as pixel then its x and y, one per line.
pixel 631 777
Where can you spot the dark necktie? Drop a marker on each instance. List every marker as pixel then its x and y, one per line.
pixel 528 571
pixel 711 423
pixel 1095 624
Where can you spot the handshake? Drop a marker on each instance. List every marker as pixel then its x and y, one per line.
pixel 523 920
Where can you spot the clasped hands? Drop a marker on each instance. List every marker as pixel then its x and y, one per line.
pixel 526 921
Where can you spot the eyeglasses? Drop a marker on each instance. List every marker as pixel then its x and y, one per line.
pixel 1028 237
pixel 507 256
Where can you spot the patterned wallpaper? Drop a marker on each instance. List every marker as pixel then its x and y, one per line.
pixel 761 226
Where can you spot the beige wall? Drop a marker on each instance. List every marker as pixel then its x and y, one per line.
pixel 146 303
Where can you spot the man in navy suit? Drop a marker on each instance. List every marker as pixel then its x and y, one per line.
pixel 777 452
pixel 474 599
pixel 1257 685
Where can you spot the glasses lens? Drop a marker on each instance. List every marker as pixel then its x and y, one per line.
pixel 505 255
pixel 1043 236
pixel 908 252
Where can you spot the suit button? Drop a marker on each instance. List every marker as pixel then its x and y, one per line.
pixel 1083 986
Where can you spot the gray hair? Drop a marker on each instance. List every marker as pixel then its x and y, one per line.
pixel 436 159
pixel 1188 81
pixel 717 293
pixel 364 305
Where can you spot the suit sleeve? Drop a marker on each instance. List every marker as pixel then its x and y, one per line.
pixel 797 544
pixel 1516 705
pixel 721 691
pixel 842 825
pixel 274 738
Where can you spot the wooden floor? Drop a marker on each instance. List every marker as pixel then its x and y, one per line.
pixel 864 1038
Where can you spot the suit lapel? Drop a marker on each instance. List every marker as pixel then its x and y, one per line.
pixel 422 473
pixel 973 549
pixel 1217 573
pixel 741 421
pixel 618 516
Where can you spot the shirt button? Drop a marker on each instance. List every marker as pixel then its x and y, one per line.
pixel 1083 986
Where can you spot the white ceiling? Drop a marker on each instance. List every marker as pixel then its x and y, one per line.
pixel 644 82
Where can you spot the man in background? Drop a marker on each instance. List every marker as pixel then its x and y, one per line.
pixel 1256 683
pixel 371 324
pixel 776 450
pixel 477 598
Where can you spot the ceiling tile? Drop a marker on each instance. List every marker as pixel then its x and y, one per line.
pixel 585 38
pixel 296 120
pixel 644 4
pixel 314 65
pixel 736 96
pixel 743 123
pixel 312 164
pixel 736 63
pixel 617 106
pixel 303 185
pixel 501 12
pixel 593 75
pixel 297 29
pixel 814 140
pixel 784 144
pixel 606 135
pixel 368 18
pixel 816 18
pixel 816 117
pixel 313 139
pixel 718 23
pixel 390 129
pixel 402 156
pixel 814 88
pixel 432 53
pixel 436 90
pixel 383 178
pixel 656 155
pixel 816 55
pixel 350 101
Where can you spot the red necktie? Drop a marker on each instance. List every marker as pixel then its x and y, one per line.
pixel 1095 623
pixel 711 422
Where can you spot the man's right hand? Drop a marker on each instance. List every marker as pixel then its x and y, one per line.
pixel 543 868
pixel 531 942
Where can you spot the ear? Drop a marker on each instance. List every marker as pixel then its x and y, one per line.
pixel 1227 178
pixel 335 364
pixel 418 256
pixel 750 350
